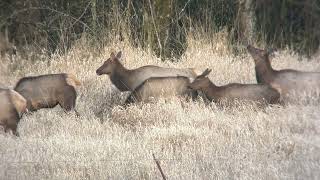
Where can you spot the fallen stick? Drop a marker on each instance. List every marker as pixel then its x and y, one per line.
pixel 159 167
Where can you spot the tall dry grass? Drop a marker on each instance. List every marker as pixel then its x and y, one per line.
pixel 192 140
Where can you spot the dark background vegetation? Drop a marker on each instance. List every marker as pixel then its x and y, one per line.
pixel 161 24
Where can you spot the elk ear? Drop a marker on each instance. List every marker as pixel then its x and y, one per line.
pixel 112 56
pixel 209 71
pixel 119 55
pixel 205 73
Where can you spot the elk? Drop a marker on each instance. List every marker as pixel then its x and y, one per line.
pixel 47 91
pixel 286 81
pixel 262 94
pixel 156 87
pixel 129 79
pixel 12 106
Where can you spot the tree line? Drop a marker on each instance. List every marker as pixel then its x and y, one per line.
pixel 161 25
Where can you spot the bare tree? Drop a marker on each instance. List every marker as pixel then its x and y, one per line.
pixel 245 21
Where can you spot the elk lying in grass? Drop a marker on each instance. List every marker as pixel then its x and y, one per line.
pixel 128 80
pixel 262 94
pixel 12 105
pixel 286 81
pixel 156 87
pixel 47 91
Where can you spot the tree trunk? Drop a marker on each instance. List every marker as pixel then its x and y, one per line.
pixel 246 21
pixel 94 16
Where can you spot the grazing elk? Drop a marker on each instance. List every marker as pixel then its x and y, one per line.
pixel 129 79
pixel 156 87
pixel 286 81
pixel 12 105
pixel 248 92
pixel 47 91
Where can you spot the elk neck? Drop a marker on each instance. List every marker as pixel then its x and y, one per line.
pixel 211 90
pixel 264 71
pixel 120 77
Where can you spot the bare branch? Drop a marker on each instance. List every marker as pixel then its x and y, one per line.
pixel 155 28
pixel 159 167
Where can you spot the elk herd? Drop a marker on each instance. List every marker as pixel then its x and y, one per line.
pixel 151 82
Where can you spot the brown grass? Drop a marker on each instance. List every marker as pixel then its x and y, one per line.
pixel 192 140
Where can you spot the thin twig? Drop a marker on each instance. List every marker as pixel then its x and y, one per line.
pixel 56 11
pixel 159 167
pixel 155 28
pixel 178 18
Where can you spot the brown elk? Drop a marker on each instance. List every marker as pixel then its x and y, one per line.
pixel 47 91
pixel 286 81
pixel 129 79
pixel 156 87
pixel 260 93
pixel 12 106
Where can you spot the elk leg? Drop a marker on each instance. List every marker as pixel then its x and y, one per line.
pixel 193 94
pixel 130 99
pixel 67 103
pixel 77 113
pixel 68 100
pixel 5 128
pixel 15 132
pixel 30 106
pixel 13 127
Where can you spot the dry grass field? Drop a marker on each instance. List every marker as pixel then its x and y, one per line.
pixel 192 140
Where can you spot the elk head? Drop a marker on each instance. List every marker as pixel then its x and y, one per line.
pixel 110 65
pixel 201 81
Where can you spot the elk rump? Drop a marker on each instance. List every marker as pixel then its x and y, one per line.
pixel 12 106
pixel 47 91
